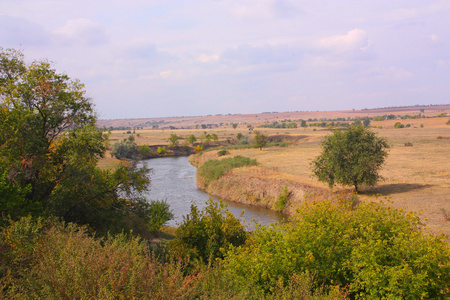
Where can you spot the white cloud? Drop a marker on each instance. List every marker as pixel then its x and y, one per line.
pixel 206 58
pixel 355 39
pixel 81 31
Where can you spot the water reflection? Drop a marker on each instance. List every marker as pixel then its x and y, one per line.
pixel 173 179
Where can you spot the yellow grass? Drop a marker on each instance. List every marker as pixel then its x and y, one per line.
pixel 417 178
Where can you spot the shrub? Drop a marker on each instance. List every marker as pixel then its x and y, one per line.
pixel 374 250
pixel 445 213
pixel 399 125
pixel 145 151
pixel 198 148
pixel 408 144
pixel 123 149
pixel 280 204
pixel 161 150
pixel 159 213
pixel 223 152
pixel 66 263
pixel 214 169
pixel 207 234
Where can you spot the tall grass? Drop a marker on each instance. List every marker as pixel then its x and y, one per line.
pixel 214 169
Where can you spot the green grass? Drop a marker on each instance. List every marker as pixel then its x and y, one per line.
pixel 214 169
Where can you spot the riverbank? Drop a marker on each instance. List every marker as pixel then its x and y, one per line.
pixel 257 186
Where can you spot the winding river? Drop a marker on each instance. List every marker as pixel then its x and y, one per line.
pixel 173 180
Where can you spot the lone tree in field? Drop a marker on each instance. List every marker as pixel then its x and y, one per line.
pixel 260 140
pixel 351 157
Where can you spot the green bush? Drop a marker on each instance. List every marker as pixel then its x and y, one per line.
pixel 282 199
pixel 214 169
pixel 206 235
pixel 223 152
pixel 123 149
pixel 374 250
pixel 159 213
pixel 145 151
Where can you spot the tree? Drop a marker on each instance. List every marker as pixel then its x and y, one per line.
pixel 260 140
pixel 50 146
pixel 239 136
pixel 192 139
pixel 173 139
pixel 208 234
pixel 351 157
pixel 124 149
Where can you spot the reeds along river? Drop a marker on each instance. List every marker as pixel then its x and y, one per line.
pixel 173 180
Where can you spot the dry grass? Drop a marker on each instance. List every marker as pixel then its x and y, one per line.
pixel 417 177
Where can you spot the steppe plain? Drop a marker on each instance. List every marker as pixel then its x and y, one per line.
pixel 416 177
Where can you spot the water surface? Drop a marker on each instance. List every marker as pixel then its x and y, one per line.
pixel 173 180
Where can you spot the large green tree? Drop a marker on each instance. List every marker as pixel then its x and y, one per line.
pixel 50 146
pixel 352 156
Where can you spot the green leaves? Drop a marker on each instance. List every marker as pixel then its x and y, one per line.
pixel 351 157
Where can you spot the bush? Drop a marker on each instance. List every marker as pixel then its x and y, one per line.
pixel 64 262
pixel 145 151
pixel 223 152
pixel 159 213
pixel 123 149
pixel 282 199
pixel 206 235
pixel 408 144
pixel 214 169
pixel 399 125
pixel 374 250
pixel 161 150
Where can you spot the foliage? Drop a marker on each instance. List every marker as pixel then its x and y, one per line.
pixel 192 139
pixel 198 148
pixel 173 139
pixel 145 151
pixel 159 214
pixel 399 125
pixel 223 152
pixel 280 204
pixel 213 169
pixel 123 149
pixel 49 149
pixel 239 136
pixel 448 122
pixel 161 150
pixel 260 140
pixel 374 250
pixel 207 234
pixel 64 262
pixel 351 157
pixel 234 125
pixel 282 124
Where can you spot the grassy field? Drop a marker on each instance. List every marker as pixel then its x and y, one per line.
pixel 417 177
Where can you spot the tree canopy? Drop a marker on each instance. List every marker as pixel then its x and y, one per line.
pixel 351 157
pixel 50 146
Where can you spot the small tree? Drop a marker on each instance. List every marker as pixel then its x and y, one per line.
pixel 351 157
pixel 234 126
pixel 260 140
pixel 173 139
pixel 239 136
pixel 192 139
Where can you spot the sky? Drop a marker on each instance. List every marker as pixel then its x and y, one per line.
pixel 158 58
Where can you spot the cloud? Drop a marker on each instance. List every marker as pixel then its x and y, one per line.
pixel 253 55
pixel 206 58
pixel 81 31
pixel 15 31
pixel 355 39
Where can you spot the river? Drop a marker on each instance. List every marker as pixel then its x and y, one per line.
pixel 173 180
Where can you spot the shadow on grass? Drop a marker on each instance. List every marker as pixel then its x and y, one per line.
pixel 397 188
